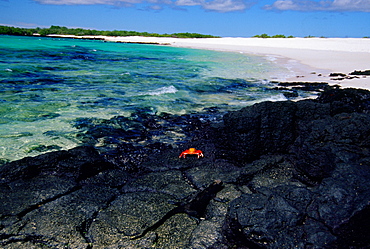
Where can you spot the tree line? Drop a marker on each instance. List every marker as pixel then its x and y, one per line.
pixel 58 30
pixel 274 36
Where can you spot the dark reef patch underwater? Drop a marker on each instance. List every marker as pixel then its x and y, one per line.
pixel 294 175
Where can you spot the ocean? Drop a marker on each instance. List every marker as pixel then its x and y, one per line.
pixel 48 84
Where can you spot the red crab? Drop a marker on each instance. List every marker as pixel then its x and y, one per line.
pixel 191 151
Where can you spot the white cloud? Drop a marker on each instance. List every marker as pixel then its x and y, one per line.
pixel 188 2
pixel 325 5
pixel 216 5
pixel 212 5
pixel 225 5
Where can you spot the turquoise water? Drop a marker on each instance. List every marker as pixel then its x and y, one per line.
pixel 46 84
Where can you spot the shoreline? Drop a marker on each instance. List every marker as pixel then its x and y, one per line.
pixel 308 59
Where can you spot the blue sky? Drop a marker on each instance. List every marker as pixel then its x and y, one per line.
pixel 235 18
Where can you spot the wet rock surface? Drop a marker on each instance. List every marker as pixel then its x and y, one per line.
pixel 294 174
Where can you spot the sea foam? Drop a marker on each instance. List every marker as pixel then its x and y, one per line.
pixel 162 90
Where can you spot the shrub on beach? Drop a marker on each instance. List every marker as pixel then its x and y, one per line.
pixel 274 36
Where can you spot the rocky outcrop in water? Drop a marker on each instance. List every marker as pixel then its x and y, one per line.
pixel 294 174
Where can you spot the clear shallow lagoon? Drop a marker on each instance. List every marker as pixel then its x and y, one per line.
pixel 46 84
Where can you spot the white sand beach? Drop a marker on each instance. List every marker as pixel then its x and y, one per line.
pixel 309 59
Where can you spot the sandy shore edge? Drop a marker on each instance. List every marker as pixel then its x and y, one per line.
pixel 309 59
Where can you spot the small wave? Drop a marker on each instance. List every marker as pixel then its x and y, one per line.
pixel 162 90
pixel 271 58
pixel 274 98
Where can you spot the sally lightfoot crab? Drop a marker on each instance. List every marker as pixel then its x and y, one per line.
pixel 191 151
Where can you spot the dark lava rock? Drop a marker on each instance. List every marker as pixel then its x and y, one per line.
pixel 314 185
pixel 304 86
pixel 339 139
pixel 346 100
pixel 365 72
pixel 267 127
pixel 77 164
pixel 295 174
pixel 271 218
pixel 291 215
pixel 337 74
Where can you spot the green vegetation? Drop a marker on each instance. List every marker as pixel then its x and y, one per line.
pixel 5 30
pixel 283 36
pixel 274 36
pixel 190 35
pixel 58 30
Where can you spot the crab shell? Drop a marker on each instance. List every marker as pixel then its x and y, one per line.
pixel 191 151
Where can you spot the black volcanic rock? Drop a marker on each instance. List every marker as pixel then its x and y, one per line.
pixel 365 72
pixel 75 164
pixel 346 100
pixel 296 175
pixel 337 74
pixel 342 138
pixel 326 150
pixel 267 127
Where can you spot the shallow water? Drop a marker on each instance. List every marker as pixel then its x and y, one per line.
pixel 46 84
